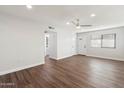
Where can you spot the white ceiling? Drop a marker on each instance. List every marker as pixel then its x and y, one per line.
pixel 59 15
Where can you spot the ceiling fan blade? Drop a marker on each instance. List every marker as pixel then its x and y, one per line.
pixel 85 25
pixel 74 23
pixel 78 22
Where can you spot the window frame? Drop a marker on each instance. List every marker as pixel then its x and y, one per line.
pixel 114 34
pixel 101 46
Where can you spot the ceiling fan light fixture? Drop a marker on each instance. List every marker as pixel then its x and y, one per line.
pixel 78 27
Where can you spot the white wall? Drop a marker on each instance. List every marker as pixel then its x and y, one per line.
pixel 61 43
pixel 66 43
pixel 117 54
pixel 21 44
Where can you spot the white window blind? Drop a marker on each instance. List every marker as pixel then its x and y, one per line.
pixel 109 40
pixel 96 41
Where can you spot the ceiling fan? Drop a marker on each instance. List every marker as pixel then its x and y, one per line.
pixel 78 25
pixel 50 27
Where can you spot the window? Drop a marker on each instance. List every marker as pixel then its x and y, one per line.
pixel 104 41
pixel 108 40
pixel 96 41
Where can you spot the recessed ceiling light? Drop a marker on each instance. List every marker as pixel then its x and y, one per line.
pixel 92 15
pixel 78 27
pixel 67 23
pixel 29 6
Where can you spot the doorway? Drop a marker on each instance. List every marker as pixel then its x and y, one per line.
pixel 51 44
pixel 81 44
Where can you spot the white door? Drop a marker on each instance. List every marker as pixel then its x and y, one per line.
pixel 81 45
pixel 51 44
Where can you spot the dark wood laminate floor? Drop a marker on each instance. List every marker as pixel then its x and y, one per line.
pixel 77 71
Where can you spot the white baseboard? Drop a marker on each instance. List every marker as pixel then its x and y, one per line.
pixel 53 58
pixel 118 59
pixel 19 68
pixel 64 57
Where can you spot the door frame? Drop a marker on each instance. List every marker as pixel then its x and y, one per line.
pixel 82 36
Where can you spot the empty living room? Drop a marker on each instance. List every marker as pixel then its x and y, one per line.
pixel 61 46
